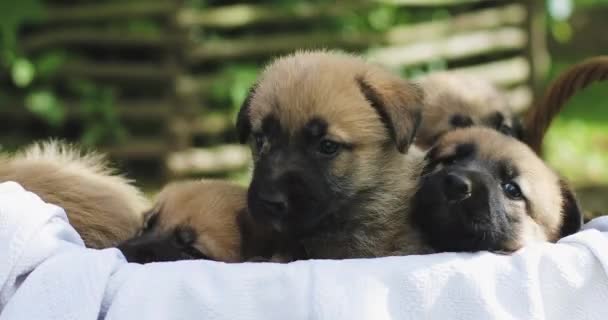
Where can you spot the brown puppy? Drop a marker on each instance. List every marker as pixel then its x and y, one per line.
pixel 103 207
pixel 199 219
pixel 483 190
pixel 454 101
pixel 329 135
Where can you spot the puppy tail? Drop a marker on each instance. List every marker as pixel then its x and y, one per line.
pixel 578 77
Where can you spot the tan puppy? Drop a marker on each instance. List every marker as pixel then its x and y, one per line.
pixel 103 207
pixel 200 219
pixel 455 101
pixel 329 135
pixel 483 190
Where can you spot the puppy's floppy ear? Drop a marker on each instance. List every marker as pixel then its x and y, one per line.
pixel 518 128
pixel 572 215
pixel 150 219
pixel 429 160
pixel 397 102
pixel 243 122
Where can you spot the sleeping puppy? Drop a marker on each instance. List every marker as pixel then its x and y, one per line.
pixel 483 190
pixel 200 219
pixel 104 208
pixel 454 101
pixel 330 135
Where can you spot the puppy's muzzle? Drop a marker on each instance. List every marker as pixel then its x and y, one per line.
pixel 151 248
pixel 275 203
pixel 467 191
pixel 457 187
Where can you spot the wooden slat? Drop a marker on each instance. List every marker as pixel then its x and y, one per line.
pixel 520 98
pixel 452 47
pixel 241 15
pixel 232 15
pixel 504 73
pixel 126 109
pixel 116 70
pixel 509 15
pixel 536 47
pixel 134 150
pixel 212 125
pixel 428 3
pixel 92 37
pixel 261 46
pixel 208 161
pixel 108 11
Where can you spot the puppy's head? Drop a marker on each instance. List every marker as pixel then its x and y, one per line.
pixel 482 190
pixel 454 101
pixel 321 126
pixel 191 220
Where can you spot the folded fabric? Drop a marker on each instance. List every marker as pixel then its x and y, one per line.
pixel 46 273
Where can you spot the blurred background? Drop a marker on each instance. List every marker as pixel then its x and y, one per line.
pixel 157 83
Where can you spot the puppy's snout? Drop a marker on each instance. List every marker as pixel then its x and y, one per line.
pixel 137 253
pixel 275 203
pixel 457 187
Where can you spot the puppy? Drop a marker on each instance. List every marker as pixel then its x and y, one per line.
pixel 200 219
pixel 103 207
pixel 330 134
pixel 483 190
pixel 454 101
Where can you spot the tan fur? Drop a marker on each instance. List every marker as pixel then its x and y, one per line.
pixel 211 208
pixel 447 94
pixel 103 207
pixel 321 84
pixel 542 211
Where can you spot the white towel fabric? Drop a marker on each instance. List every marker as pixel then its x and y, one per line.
pixel 46 273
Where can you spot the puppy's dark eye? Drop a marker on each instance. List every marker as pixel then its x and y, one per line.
pixel 260 140
pixel 512 190
pixel 328 147
pixel 505 130
pixel 184 237
pixel 449 161
pixel 194 253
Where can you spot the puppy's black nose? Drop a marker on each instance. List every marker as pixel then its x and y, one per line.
pixel 456 187
pixel 274 203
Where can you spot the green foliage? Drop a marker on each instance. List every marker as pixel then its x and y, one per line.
pixel 32 77
pixel 46 105
pixel 22 72
pixel 12 16
pixel 234 85
pixel 560 12
pixel 590 3
pixel 100 116
pixel 48 63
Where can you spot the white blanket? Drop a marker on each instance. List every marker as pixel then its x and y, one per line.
pixel 46 273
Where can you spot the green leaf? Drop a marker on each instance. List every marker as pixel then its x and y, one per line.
pixel 381 18
pixel 44 103
pixel 243 80
pixel 14 13
pixel 23 72
pixel 49 63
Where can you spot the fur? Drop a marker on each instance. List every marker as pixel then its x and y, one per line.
pixel 454 100
pixel 102 206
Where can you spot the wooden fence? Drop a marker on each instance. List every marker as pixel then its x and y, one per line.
pixel 166 77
